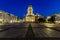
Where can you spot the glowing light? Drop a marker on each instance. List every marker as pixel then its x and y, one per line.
pixel 11 21
pixel 49 25
pixel 32 20
pixel 57 21
pixel 48 17
pixel 1 19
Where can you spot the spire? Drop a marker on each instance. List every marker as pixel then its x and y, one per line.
pixel 30 6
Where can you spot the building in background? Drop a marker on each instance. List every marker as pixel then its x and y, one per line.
pixel 5 17
pixel 37 16
pixel 29 16
pixel 47 19
pixel 13 18
pixel 56 18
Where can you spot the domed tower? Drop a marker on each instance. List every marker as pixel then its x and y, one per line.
pixel 29 16
pixel 30 10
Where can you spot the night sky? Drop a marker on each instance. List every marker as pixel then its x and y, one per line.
pixel 19 7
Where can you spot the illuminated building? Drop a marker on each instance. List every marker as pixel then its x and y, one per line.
pixel 48 18
pixel 13 18
pixel 29 16
pixel 37 16
pixel 57 18
pixel 4 17
pixel 7 18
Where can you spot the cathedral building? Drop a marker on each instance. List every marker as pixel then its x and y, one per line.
pixel 30 17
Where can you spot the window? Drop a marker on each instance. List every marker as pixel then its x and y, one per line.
pixel 0 15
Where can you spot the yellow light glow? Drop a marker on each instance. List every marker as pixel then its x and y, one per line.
pixel 32 20
pixel 11 21
pixel 1 19
pixel 48 25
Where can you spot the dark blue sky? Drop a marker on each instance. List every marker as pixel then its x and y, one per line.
pixel 19 7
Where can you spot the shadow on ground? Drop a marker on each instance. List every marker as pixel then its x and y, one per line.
pixel 30 33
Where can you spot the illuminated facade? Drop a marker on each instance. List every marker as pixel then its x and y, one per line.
pixel 57 18
pixel 4 17
pixel 29 16
pixel 13 18
pixel 7 18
